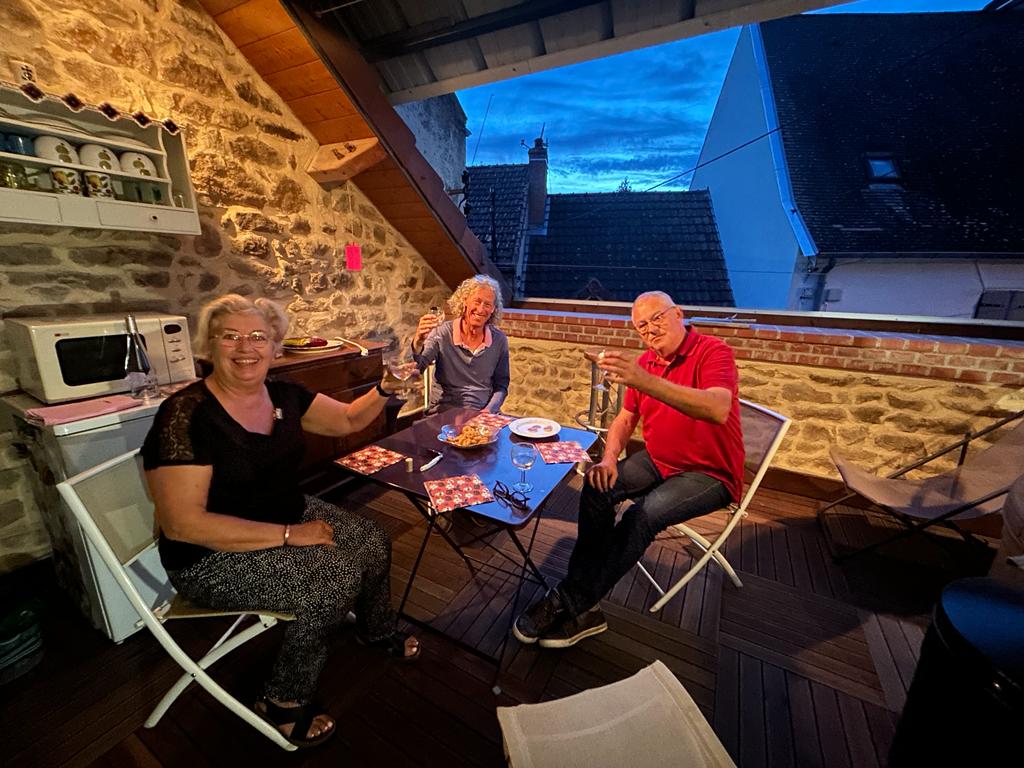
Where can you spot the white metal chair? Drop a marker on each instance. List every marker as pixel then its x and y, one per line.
pixel 648 720
pixel 763 431
pixel 111 503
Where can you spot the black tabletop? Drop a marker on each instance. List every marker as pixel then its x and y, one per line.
pixel 489 462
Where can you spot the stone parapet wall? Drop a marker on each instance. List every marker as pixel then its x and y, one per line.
pixel 859 391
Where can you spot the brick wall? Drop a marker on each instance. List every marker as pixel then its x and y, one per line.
pixel 884 398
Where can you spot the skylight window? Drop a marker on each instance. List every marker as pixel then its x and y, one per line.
pixel 882 168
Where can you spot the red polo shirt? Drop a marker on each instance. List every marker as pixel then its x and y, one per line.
pixel 680 443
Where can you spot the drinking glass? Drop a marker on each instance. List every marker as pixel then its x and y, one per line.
pixel 523 457
pixel 437 312
pixel 400 366
pixel 595 355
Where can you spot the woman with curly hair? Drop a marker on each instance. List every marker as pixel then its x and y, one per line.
pixel 470 353
pixel 222 461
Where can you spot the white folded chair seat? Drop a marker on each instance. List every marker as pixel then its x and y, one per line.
pixel 645 721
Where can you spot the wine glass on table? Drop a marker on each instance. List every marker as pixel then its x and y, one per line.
pixel 523 456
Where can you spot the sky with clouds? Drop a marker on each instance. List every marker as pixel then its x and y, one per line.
pixel 639 116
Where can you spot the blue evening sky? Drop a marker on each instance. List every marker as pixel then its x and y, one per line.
pixel 639 115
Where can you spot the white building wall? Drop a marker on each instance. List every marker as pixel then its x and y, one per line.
pixel 439 125
pixel 758 242
pixel 924 287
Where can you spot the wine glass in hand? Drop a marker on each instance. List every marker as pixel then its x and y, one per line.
pixel 596 355
pixel 523 456
pixel 401 373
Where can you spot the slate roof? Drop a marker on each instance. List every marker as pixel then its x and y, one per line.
pixel 943 92
pixel 615 245
pixel 509 183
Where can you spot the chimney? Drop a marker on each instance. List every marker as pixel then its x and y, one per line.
pixel 537 181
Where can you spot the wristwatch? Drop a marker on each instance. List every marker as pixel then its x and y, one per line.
pixel 382 392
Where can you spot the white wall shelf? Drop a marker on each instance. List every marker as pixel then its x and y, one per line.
pixel 51 117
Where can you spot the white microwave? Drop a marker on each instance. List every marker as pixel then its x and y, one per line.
pixel 68 358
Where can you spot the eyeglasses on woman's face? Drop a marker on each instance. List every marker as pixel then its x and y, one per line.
pixel 657 320
pixel 233 338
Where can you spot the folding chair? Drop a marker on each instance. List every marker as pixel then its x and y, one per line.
pixel 648 720
pixel 976 487
pixel 111 503
pixel 763 431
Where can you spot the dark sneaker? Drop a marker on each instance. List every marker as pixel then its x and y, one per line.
pixel 540 618
pixel 572 630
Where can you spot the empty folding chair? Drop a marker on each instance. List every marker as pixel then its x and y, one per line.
pixel 975 487
pixel 648 720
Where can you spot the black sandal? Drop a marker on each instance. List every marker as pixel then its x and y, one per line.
pixel 300 718
pixel 393 645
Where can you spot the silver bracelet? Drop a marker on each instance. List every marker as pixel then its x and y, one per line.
pixel 287 533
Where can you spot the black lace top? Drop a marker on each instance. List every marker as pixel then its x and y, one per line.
pixel 254 476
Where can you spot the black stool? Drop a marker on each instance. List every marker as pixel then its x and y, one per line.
pixel 965 705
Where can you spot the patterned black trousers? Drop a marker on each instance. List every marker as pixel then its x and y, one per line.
pixel 320 585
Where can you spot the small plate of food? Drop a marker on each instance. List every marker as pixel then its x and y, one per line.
pixel 310 345
pixel 534 427
pixel 469 436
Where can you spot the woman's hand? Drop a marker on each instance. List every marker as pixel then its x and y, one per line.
pixel 428 322
pixel 603 474
pixel 311 534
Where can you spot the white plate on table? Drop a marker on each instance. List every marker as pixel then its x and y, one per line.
pixel 315 350
pixel 535 427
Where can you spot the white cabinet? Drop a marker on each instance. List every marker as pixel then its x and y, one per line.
pixel 163 201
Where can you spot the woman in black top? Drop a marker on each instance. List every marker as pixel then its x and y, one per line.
pixel 235 532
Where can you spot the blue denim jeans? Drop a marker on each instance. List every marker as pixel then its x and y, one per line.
pixel 605 551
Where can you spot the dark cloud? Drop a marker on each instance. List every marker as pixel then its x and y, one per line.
pixel 641 115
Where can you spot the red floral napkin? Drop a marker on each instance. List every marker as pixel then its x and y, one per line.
pixel 493 421
pixel 562 453
pixel 369 459
pixel 459 491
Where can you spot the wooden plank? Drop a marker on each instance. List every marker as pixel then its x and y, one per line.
pixel 253 20
pixel 805 729
pixel 326 105
pixel 753 742
pixel 808 665
pixel 338 129
pixel 858 734
pixel 782 557
pixel 277 52
pixel 830 729
pixel 885 665
pixel 902 654
pixel 727 702
pixel 778 725
pixel 302 79
pixel 882 724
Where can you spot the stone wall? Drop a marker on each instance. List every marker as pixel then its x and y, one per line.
pixel 884 398
pixel 267 228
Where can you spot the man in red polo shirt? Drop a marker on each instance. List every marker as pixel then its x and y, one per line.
pixel 684 389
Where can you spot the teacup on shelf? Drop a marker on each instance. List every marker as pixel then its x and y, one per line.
pixel 98 184
pixel 65 181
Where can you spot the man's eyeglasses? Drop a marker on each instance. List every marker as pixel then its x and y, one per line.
pixel 511 497
pixel 233 339
pixel 657 319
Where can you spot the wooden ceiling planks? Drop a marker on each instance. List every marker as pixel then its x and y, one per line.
pixel 404 188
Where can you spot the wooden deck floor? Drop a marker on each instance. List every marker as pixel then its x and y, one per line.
pixel 807 664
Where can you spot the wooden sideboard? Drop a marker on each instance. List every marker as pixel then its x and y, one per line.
pixel 344 375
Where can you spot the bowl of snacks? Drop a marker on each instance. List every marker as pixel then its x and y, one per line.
pixel 469 436
pixel 310 345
